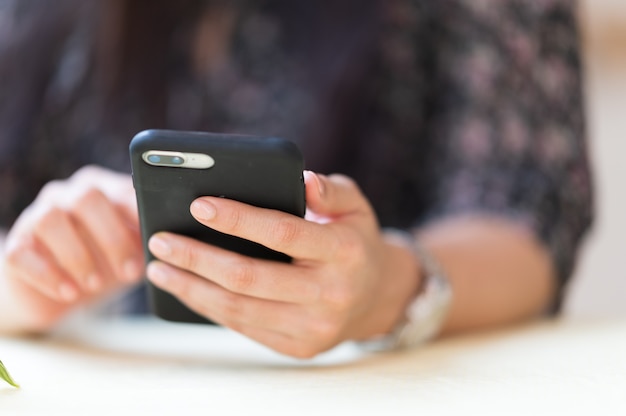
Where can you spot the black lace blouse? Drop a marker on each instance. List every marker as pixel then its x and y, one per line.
pixel 436 108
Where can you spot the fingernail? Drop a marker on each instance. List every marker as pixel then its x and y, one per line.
pixel 93 283
pixel 321 184
pixel 318 181
pixel 159 246
pixel 156 274
pixel 132 270
pixel 203 210
pixel 68 293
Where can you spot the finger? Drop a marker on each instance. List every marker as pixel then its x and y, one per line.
pixel 276 230
pixel 239 274
pixel 113 238
pixel 282 327
pixel 334 196
pixel 220 305
pixel 32 265
pixel 117 187
pixel 72 254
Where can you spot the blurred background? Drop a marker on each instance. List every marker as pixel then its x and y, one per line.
pixel 599 288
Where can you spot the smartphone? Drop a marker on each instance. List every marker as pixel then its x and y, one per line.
pixel 173 168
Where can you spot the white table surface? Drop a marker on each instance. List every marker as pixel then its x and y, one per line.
pixel 148 367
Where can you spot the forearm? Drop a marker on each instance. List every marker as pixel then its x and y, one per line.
pixel 500 273
pixel 497 150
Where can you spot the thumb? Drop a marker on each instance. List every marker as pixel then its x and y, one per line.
pixel 334 196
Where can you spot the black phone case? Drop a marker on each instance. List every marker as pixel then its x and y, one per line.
pixel 264 172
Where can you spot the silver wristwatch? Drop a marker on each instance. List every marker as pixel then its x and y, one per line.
pixel 426 313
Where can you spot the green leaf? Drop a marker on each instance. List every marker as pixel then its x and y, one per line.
pixel 4 375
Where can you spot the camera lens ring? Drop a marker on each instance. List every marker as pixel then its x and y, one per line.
pixel 154 158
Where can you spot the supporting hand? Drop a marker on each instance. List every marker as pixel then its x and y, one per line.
pixel 78 240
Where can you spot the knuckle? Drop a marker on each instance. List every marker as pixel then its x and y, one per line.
pixel 188 255
pixel 234 220
pixel 340 298
pixel 325 330
pixel 87 199
pixel 242 277
pixel 286 232
pixel 351 248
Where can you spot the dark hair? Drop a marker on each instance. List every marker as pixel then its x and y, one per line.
pixel 127 47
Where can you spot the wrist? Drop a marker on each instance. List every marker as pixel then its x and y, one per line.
pixel 399 283
pixel 425 313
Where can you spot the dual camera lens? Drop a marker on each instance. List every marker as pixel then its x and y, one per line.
pixel 164 159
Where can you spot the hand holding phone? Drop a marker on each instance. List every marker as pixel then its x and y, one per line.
pixel 343 280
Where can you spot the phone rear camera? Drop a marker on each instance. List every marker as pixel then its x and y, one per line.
pixel 164 158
